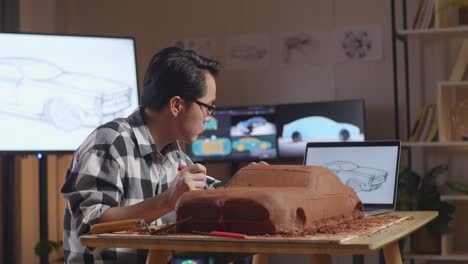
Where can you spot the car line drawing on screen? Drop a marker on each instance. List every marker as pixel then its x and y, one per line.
pixel 250 143
pixel 357 177
pixel 318 128
pixel 40 90
pixel 213 146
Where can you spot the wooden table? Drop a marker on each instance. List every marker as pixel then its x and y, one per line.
pixel 160 247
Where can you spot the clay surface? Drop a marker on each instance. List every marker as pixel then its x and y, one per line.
pixel 271 199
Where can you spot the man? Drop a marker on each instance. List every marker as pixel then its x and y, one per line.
pixel 128 168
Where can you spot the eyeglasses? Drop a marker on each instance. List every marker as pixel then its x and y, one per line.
pixel 210 108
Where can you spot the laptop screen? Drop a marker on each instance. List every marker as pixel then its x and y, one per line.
pixel 370 168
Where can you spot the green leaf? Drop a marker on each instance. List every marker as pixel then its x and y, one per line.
pixel 457 186
pixel 44 247
pixel 432 175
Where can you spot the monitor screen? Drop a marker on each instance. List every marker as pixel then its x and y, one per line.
pixel 243 133
pixel 370 168
pixel 253 133
pixel 56 89
pixel 215 141
pixel 318 122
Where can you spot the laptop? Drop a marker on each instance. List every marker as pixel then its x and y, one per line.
pixel 369 167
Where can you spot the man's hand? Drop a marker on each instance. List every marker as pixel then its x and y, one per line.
pixel 188 179
pixel 259 163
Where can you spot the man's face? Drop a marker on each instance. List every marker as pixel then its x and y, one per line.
pixel 197 114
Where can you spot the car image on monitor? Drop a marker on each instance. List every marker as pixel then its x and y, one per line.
pixel 318 128
pixel 40 90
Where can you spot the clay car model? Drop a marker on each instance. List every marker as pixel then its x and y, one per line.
pixel 318 128
pixel 357 177
pixel 249 143
pixel 270 199
pixel 38 89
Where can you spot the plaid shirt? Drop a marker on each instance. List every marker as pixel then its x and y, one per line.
pixel 117 165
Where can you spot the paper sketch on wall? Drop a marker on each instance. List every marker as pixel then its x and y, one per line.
pixel 359 178
pixel 39 90
pixel 247 51
pixel 304 48
pixel 203 46
pixel 359 43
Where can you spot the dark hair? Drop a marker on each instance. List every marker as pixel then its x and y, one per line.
pixel 175 72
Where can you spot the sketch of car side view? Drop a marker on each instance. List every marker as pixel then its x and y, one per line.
pixel 318 128
pixel 39 90
pixel 357 177
pixel 247 52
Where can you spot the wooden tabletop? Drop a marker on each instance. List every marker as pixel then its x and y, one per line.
pixel 360 245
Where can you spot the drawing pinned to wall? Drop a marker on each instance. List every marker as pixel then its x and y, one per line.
pixel 359 43
pixel 203 46
pixel 247 51
pixel 304 48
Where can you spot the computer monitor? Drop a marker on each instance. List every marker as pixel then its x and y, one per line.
pixel 215 141
pixel 253 133
pixel 55 89
pixel 318 122
pixel 240 133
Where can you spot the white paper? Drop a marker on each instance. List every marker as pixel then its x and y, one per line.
pixel 202 46
pixel 304 48
pixel 359 43
pixel 247 51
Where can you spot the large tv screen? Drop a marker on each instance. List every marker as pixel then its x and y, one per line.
pixel 243 133
pixel 56 89
pixel 318 122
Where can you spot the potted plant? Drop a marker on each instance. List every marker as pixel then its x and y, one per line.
pixel 422 193
pixel 44 248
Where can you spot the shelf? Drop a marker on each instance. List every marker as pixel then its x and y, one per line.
pixel 450 144
pixel 454 257
pixel 431 32
pixel 454 197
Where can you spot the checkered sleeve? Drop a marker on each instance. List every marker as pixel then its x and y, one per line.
pixel 93 185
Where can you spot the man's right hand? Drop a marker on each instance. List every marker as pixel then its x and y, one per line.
pixel 188 179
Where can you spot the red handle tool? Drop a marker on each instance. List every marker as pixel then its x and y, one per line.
pixel 181 167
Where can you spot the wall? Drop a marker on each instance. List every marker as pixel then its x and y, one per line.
pixel 155 24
